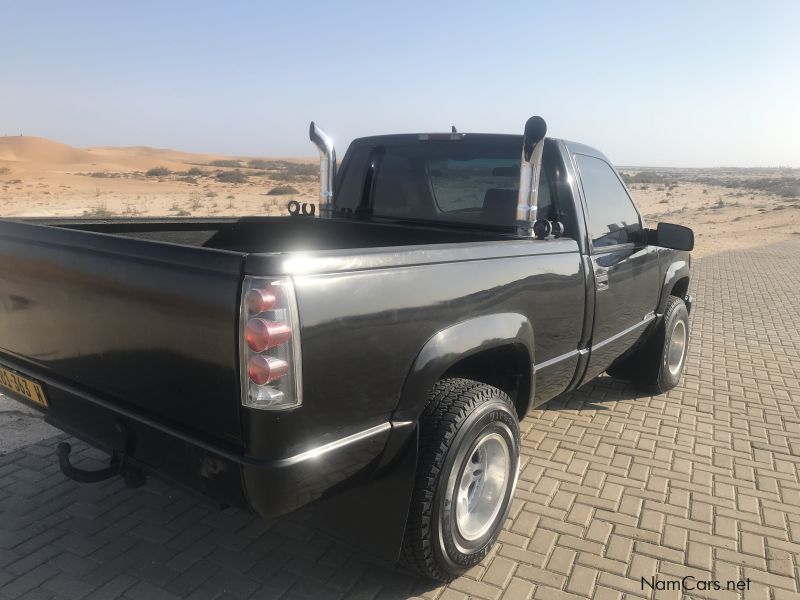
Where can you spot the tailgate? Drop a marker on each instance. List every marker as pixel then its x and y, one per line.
pixel 149 326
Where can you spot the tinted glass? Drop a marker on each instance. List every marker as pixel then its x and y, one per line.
pixel 458 181
pixel 462 184
pixel 612 216
pixel 352 185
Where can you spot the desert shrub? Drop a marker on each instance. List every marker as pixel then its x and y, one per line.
pixel 226 163
pixel 158 172
pixel 282 170
pixel 786 187
pixel 183 213
pixel 231 177
pixel 260 163
pixel 98 212
pixel 286 177
pixel 211 194
pixel 4 170
pixel 102 174
pixel 282 190
pixel 188 180
pixel 302 169
pixel 645 177
pixel 195 172
pixel 12 181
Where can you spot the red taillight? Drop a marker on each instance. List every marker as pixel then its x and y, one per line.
pixel 262 334
pixel 271 369
pixel 261 300
pixel 264 369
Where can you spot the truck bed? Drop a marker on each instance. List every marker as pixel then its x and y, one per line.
pixel 274 234
pixel 144 313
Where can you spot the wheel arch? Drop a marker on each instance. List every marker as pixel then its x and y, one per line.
pixel 498 347
pixel 676 282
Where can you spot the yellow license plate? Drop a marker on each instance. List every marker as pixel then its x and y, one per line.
pixel 23 386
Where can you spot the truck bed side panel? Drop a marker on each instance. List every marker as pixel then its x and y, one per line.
pixel 362 330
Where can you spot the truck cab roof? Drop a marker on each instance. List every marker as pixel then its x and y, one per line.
pixel 497 139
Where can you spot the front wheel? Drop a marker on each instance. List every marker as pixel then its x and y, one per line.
pixel 658 365
pixel 468 467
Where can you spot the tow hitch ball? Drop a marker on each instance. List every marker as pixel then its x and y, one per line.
pixel 118 464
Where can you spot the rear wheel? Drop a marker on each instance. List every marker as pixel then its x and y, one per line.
pixel 468 466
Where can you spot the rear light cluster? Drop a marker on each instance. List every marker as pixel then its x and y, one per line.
pixel 270 345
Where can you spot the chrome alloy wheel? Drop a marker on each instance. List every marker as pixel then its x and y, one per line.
pixel 677 348
pixel 485 476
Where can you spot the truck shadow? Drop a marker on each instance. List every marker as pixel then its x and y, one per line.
pixel 160 539
pixel 595 395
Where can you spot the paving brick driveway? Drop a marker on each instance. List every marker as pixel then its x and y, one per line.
pixel 702 481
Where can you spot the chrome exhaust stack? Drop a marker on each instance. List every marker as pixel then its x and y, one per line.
pixel 327 168
pixel 529 171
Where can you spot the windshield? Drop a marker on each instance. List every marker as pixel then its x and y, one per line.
pixel 459 180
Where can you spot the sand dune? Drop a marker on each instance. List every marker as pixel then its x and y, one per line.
pixel 40 151
pixel 41 177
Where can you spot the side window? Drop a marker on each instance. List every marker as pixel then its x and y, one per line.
pixel 612 216
pixel 351 180
pixel 555 198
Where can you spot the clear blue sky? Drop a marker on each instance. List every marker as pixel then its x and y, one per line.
pixel 697 83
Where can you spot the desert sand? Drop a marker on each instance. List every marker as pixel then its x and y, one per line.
pixel 748 208
pixel 39 177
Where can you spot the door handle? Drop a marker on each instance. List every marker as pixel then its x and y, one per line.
pixel 601 279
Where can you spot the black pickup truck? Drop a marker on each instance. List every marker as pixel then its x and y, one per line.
pixel 373 360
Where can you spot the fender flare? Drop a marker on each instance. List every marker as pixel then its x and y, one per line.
pixel 677 269
pixel 454 343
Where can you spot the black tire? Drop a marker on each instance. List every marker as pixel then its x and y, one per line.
pixel 461 418
pixel 649 368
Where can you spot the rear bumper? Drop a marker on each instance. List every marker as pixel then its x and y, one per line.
pixel 229 475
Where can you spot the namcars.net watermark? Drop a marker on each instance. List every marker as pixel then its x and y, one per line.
pixel 690 583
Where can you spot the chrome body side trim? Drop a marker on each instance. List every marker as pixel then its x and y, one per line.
pixel 334 445
pixel 555 360
pixel 646 320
